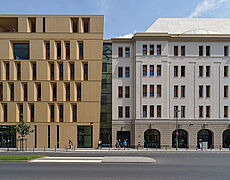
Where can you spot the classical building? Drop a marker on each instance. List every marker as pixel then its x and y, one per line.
pixel 172 82
pixel 50 77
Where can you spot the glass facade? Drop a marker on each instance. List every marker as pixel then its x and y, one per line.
pixel 7 137
pixel 106 97
pixel 84 136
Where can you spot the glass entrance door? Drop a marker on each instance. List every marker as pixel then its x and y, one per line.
pixel 84 136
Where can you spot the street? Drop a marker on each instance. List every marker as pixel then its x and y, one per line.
pixel 169 165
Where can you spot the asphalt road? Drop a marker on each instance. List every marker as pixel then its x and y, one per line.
pixel 170 165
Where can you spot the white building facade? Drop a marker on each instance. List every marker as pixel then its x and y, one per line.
pixel 172 82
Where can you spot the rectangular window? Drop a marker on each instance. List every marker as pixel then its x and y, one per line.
pixel 200 71
pixel 39 92
pixel 225 71
pixel 200 91
pixel 67 86
pixel 207 111
pixel 78 92
pixel 127 52
pixel 182 111
pixel 120 51
pixel 144 90
pixel 58 50
pixel 52 71
pixel 208 71
pixel 151 70
pixel 86 25
pixel 12 92
pixel 225 111
pixel 20 112
pixel 1 92
pixel 61 113
pixel 144 70
pixel 127 91
pixel 200 50
pixel 175 50
pixel 144 49
pixel 182 71
pixel 127 112
pixel 151 50
pixel 120 111
pixel 151 90
pixel 25 92
pixel 158 70
pixel 158 90
pixel 159 111
pixel 175 71
pixel 32 113
pixel 127 72
pixel 200 111
pixel 208 50
pixel 51 113
pixel 44 24
pixel 60 71
pixel 120 72
pixel 47 50
pixel 207 91
pixel 81 51
pixel 54 92
pixel 5 112
pixel 7 71
pixel 158 49
pixel 175 111
pixel 58 143
pixel 183 91
pixel 225 91
pixel 85 72
pixel 67 46
pixel 21 50
pixel 74 25
pixel 151 111
pixel 74 113
pixel 72 71
pixel 182 50
pixel 226 51
pixel 34 70
pixel 120 91
pixel 144 111
pixel 175 91
pixel 18 71
pixel 48 136
pixel 32 24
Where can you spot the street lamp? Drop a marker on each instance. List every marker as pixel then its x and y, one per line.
pixel 177 133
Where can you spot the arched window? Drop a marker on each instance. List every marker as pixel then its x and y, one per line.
pixel 152 138
pixel 205 139
pixel 226 138
pixel 182 138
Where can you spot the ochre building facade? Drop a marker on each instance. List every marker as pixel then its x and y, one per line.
pixel 50 77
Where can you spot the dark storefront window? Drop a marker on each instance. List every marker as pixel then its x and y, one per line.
pixel 84 136
pixel 7 137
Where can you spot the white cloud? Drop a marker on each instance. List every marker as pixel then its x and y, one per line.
pixel 126 36
pixel 205 6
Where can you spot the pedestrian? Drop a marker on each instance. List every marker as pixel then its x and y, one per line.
pixel 100 141
pixel 120 143
pixel 70 144
pixel 117 144
pixel 125 144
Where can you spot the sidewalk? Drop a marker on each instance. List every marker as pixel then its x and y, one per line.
pixel 130 150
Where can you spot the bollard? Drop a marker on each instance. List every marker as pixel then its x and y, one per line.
pixel 220 147
pixel 33 149
pixel 65 149
pixel 55 148
pixel 44 149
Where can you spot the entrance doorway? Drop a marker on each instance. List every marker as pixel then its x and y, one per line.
pixel 152 138
pixel 7 137
pixel 205 136
pixel 122 135
pixel 84 136
pixel 226 138
pixel 182 139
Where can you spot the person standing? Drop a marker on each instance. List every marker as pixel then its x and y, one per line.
pixel 117 144
pixel 125 144
pixel 70 144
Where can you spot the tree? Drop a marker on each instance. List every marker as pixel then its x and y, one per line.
pixel 23 130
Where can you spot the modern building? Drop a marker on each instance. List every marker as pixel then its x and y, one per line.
pixel 106 95
pixel 172 83
pixel 50 77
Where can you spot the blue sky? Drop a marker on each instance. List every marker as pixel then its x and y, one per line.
pixel 122 16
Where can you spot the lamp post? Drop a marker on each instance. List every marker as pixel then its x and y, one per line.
pixel 177 133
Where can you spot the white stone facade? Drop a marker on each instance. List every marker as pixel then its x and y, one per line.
pixel 215 82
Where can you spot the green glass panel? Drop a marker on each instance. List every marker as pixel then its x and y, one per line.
pixel 84 136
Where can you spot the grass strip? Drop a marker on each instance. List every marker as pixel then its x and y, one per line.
pixel 19 158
